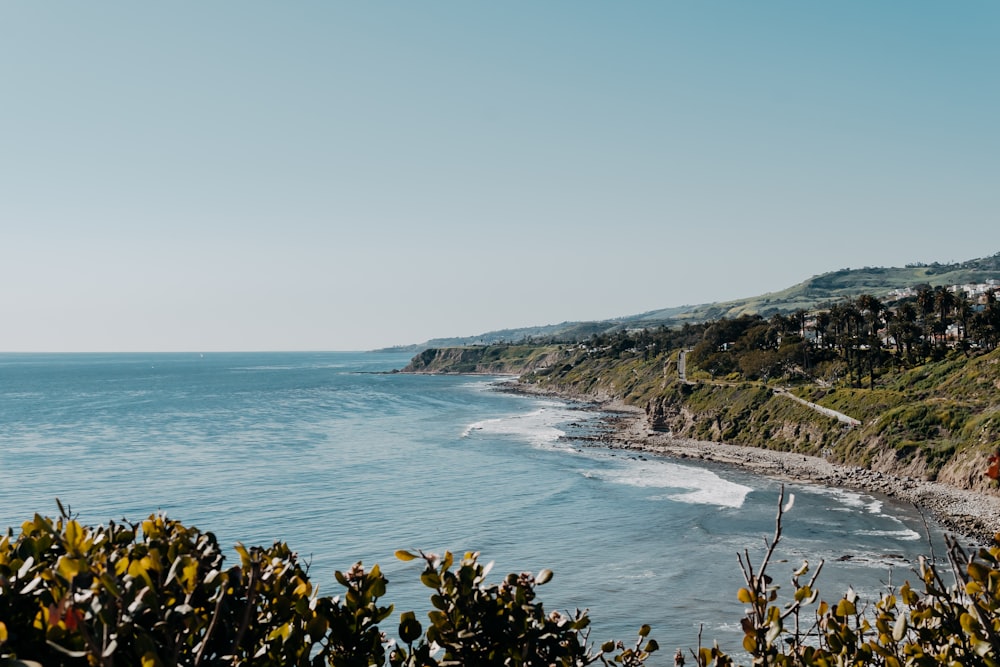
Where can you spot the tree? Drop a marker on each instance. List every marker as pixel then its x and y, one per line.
pixel 927 308
pixel 871 310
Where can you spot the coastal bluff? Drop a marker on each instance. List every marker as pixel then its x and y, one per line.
pixel 923 440
pixel 485 359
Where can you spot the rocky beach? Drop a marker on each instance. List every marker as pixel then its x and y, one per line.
pixel 975 515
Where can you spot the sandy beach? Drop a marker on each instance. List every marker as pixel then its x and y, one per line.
pixel 971 514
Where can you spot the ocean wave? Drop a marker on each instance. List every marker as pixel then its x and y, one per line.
pixel 905 534
pixel 539 427
pixel 690 484
pixel 851 500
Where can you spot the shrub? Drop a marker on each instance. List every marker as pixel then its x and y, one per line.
pixel 156 594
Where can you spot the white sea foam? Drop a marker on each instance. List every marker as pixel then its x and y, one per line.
pixel 539 427
pixel 905 534
pixel 690 484
pixel 851 500
pixel 480 385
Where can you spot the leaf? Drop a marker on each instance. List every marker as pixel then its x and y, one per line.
pixel 744 596
pixel 66 651
pixel 969 624
pixel 409 627
pixel 543 577
pixel 430 579
pixel 790 503
pixel 978 571
pixel 899 629
pixel 773 631
pixel 644 630
pixel 244 554
pixel 25 567
pixel 110 584
pixel 73 535
pixel 68 567
pixel 845 608
pixel 404 555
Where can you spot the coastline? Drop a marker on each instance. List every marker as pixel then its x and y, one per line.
pixel 971 514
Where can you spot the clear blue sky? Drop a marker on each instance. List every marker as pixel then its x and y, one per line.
pixel 348 175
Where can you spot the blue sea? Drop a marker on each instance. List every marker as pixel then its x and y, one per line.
pixel 347 462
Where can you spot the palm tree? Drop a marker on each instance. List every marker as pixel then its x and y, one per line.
pixel 871 314
pixel 822 325
pixel 927 309
pixel 963 311
pixel 906 324
pixel 944 301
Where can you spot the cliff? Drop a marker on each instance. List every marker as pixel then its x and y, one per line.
pixel 486 359
pixel 938 421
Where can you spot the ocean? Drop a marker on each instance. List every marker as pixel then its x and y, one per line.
pixel 347 462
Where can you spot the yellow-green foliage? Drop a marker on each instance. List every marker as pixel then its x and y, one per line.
pixel 156 594
pixel 632 377
pixel 933 412
pixel 862 404
pixel 932 623
pixel 752 415
pixel 501 359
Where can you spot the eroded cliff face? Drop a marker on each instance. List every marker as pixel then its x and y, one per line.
pixel 756 418
pixel 919 440
pixel 489 360
pixel 749 417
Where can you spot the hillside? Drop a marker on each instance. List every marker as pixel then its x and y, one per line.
pixel 807 295
pixel 928 410
pixel 834 286
pixel 487 359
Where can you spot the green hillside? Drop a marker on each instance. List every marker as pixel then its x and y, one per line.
pixel 808 295
pixel 831 287
pixel 913 401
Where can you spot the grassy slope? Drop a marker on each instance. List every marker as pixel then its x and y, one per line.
pixel 935 421
pixel 833 286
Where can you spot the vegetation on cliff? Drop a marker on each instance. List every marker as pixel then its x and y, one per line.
pixel 490 359
pixel 920 375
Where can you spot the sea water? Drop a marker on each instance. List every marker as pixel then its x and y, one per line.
pixel 349 462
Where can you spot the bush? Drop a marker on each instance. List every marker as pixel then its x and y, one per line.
pixel 156 594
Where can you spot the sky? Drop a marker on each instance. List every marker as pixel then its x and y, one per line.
pixel 210 176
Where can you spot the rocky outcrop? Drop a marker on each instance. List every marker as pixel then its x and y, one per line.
pixel 742 415
pixel 487 360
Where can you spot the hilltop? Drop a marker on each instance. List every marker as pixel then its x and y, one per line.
pixel 810 294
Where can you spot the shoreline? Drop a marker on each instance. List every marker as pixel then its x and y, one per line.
pixel 970 514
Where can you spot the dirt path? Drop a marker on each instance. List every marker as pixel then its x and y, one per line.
pixel 778 391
